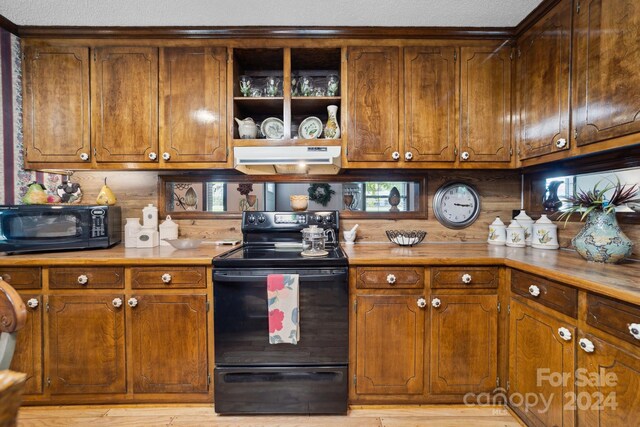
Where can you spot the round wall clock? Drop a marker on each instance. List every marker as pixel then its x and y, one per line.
pixel 456 204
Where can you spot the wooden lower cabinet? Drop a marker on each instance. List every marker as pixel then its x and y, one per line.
pixel 86 344
pixel 464 344
pixel 541 366
pixel 614 399
pixel 169 343
pixel 390 345
pixel 28 353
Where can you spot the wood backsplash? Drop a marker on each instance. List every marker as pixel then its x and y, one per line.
pixel 499 190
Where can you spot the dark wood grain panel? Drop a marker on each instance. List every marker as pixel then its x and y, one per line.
pixel 374 103
pixel 180 277
pixel 169 347
pixel 193 116
pixel 91 358
pixel 430 103
pixel 464 344
pixel 22 277
pixel 380 277
pixel 97 277
pixel 606 82
pixel 56 103
pixel 27 357
pixel 552 294
pixel 613 316
pixel 451 277
pixel 124 104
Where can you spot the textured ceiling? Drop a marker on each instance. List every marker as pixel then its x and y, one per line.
pixel 392 13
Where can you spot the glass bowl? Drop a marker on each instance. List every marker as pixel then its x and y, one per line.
pixel 184 243
pixel 406 237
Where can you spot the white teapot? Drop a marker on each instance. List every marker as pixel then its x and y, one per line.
pixel 247 128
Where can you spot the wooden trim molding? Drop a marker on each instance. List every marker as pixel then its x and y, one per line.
pixel 8 25
pixel 533 17
pixel 283 32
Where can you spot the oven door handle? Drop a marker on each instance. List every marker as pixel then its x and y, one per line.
pixel 230 277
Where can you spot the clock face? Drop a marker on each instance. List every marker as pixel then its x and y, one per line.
pixel 456 205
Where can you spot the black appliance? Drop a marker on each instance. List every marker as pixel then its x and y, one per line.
pixel 37 228
pixel 252 376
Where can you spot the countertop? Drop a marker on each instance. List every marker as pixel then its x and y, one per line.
pixel 620 280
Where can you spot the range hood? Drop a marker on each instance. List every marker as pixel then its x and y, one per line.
pixel 312 160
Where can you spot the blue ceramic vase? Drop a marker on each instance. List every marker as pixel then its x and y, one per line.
pixel 601 239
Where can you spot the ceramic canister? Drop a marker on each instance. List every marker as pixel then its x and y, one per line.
pixel 515 235
pixel 545 234
pixel 150 217
pixel 131 230
pixel 525 222
pixel 497 232
pixel 168 231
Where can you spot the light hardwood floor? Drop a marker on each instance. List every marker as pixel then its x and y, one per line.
pixel 204 415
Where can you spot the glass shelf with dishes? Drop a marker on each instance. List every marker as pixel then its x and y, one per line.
pixel 285 95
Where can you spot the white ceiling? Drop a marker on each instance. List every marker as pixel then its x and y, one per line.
pixel 392 13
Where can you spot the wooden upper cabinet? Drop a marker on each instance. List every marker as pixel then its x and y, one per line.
pixel 389 345
pixel 542 70
pixel 56 104
pixel 537 351
pixel 373 105
pixel 28 353
pixel 430 103
pixel 193 107
pixel 90 358
pixel 485 104
pixel 124 104
pixel 615 398
pixel 606 82
pixel 169 348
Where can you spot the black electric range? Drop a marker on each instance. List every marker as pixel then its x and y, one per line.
pixel 253 376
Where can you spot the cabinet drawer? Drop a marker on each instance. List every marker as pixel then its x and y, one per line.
pixel 554 295
pixel 390 277
pixel 169 277
pixel 614 317
pixel 22 277
pixel 464 277
pixel 86 277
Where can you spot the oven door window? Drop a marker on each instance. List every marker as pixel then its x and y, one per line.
pixel 45 226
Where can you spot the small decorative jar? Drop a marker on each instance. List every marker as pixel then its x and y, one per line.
pixel 332 129
pixel 131 230
pixel 497 232
pixel 545 234
pixel 168 231
pixel 515 235
pixel 525 222
pixel 150 217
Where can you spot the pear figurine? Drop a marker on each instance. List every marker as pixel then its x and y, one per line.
pixel 106 196
pixel 35 195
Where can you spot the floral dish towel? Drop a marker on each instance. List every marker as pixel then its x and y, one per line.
pixel 282 305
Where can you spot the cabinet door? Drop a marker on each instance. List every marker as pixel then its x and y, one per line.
pixel 614 400
pixel 606 82
pixel 430 99
pixel 389 345
pixel 193 104
pixel 541 367
pixel 464 344
pixel 86 344
pixel 28 353
pixel 169 344
pixel 373 76
pixel 485 104
pixel 543 85
pixel 124 104
pixel 56 104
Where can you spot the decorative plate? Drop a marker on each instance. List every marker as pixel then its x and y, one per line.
pixel 272 128
pixel 310 128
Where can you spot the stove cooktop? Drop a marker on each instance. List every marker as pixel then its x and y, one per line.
pixel 248 256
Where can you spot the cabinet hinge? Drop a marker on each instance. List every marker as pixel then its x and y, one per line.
pixel 510 151
pixel 209 378
pixel 208 305
pixel 577 7
pixel 455 56
pixel 507 385
pixel 511 55
pixel 498 307
pixel 95 152
pixel 575 133
pixel 355 380
pixel 455 152
pixel 508 308
pixel 95 57
pixel 518 151
pixel 48 382
pixel 497 382
pixel 519 53
pixel 355 306
pixel 46 305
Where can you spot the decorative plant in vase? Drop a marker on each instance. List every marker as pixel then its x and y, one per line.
pixel 601 239
pixel 249 202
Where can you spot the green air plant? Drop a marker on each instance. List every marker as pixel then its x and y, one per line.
pixel 595 200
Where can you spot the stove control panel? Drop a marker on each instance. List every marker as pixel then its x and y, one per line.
pixel 285 221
